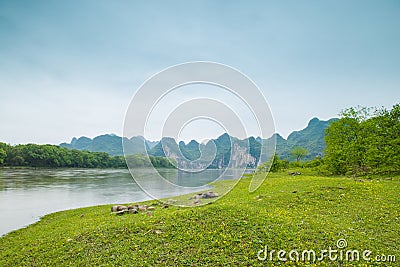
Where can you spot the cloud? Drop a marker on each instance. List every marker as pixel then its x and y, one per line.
pixel 70 68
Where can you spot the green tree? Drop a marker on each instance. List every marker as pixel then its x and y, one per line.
pixel 343 139
pixel 274 165
pixel 278 164
pixel 52 156
pixel 298 153
pixel 364 141
pixel 3 156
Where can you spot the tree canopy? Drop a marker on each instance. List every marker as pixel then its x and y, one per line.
pixel 51 156
pixel 364 141
pixel 298 153
pixel 275 164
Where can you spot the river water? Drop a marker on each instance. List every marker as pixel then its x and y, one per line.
pixel 28 194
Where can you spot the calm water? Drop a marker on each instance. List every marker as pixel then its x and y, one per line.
pixel 27 194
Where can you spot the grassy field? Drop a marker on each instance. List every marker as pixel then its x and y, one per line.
pixel 287 213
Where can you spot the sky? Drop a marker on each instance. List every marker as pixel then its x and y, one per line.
pixel 70 68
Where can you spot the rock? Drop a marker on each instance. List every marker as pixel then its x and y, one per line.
pixel 142 207
pixel 209 195
pixel 149 213
pixel 165 206
pixel 196 202
pixel 198 196
pixel 121 208
pixel 133 211
pixel 150 208
pixel 121 212
pixel 114 208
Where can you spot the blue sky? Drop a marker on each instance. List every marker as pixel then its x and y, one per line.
pixel 70 68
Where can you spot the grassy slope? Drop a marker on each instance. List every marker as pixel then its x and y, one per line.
pixel 228 232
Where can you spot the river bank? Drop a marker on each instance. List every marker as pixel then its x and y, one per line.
pixel 27 194
pixel 300 212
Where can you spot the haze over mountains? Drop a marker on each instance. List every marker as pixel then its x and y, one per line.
pixel 246 152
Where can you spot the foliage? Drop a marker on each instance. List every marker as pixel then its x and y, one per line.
pixel 302 213
pixel 51 156
pixel 162 162
pixel 296 164
pixel 276 165
pixel 298 153
pixel 3 156
pixel 317 161
pixel 364 141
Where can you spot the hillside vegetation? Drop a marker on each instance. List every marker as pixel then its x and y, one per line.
pixel 51 156
pixel 364 141
pixel 310 138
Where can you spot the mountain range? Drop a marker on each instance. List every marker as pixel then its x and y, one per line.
pixel 214 154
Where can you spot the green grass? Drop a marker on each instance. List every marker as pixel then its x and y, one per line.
pixel 285 213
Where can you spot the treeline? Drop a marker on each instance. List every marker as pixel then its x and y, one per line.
pixel 51 156
pixel 276 164
pixel 364 141
pixel 139 160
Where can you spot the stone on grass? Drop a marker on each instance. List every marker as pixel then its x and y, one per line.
pixel 121 212
pixel 121 208
pixel 114 208
pixel 142 207
pixel 209 194
pixel 133 211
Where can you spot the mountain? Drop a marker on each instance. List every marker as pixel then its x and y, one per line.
pixel 104 143
pixel 311 138
pixel 246 151
pixel 215 154
pixel 111 144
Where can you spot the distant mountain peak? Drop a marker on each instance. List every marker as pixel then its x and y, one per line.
pixel 313 121
pixel 277 136
pixel 311 138
pixel 193 142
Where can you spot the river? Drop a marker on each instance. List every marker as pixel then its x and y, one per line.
pixel 28 194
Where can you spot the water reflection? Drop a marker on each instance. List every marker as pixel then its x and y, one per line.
pixel 28 194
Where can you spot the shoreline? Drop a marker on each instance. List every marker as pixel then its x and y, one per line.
pixel 18 217
pixel 286 212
